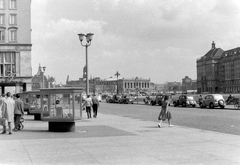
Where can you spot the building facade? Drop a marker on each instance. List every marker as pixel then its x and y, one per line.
pixel 218 71
pixel 189 85
pixel 15 45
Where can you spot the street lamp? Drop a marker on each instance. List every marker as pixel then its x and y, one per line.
pixel 43 70
pixel 88 37
pixel 117 74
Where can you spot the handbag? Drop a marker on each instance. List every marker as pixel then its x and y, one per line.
pixel 3 121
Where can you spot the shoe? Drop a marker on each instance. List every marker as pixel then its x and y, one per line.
pixel 10 133
pixel 159 125
pixel 15 129
pixel 170 125
pixel 4 132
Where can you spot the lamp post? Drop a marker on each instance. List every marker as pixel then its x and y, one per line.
pixel 89 37
pixel 117 74
pixel 43 70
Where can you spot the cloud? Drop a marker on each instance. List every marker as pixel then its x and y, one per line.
pixel 145 38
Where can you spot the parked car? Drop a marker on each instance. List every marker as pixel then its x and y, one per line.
pixel 159 98
pixel 114 99
pixel 126 100
pixel 184 101
pixel 108 98
pixel 212 101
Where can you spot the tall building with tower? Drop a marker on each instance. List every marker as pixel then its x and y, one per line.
pixel 15 45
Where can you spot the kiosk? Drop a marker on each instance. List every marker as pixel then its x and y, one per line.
pixel 35 107
pixel 61 108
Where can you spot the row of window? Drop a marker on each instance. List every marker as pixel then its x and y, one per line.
pixel 12 35
pixel 136 85
pixel 12 19
pixel 12 4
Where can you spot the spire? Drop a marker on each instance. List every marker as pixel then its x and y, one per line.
pixel 39 69
pixel 213 45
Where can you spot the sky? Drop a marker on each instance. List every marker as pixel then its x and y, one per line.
pixel 156 39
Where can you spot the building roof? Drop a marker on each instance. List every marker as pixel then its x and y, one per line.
pixel 217 52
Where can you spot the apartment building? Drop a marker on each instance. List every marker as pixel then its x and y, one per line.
pixel 218 71
pixel 15 45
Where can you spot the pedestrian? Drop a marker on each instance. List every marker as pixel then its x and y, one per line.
pixel 8 113
pixel 18 112
pixel 165 113
pixel 95 105
pixel 88 103
pixel 2 119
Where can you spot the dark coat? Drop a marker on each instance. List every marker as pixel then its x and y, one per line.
pixel 19 107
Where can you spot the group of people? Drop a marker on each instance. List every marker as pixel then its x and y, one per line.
pixel 11 111
pixel 91 102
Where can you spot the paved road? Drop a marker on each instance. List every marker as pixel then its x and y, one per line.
pixel 218 120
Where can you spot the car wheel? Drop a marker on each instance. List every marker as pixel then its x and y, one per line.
pixel 222 107
pixel 193 105
pixel 211 106
pixel 184 104
pixel 174 104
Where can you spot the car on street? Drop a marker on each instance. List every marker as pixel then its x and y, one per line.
pixel 184 100
pixel 159 98
pixel 212 101
pixel 126 100
pixel 108 98
pixel 114 99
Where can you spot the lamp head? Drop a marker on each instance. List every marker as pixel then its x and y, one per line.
pixel 89 37
pixel 81 36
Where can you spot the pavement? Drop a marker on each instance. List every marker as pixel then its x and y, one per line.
pixel 116 140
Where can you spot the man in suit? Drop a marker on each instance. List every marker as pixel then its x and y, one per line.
pixel 8 112
pixel 18 112
pixel 95 105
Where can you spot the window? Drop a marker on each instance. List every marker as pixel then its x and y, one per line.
pixel 7 63
pixel 13 4
pixel 2 19
pixel 2 35
pixel 12 35
pixel 2 4
pixel 13 19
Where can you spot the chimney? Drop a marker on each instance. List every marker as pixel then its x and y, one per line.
pixel 213 45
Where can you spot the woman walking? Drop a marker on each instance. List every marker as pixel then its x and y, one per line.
pixel 165 113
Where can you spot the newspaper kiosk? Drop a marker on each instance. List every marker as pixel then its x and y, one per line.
pixel 62 108
pixel 34 99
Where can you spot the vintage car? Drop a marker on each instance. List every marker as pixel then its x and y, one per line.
pixel 159 98
pixel 108 98
pixel 126 100
pixel 114 99
pixel 184 101
pixel 212 101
